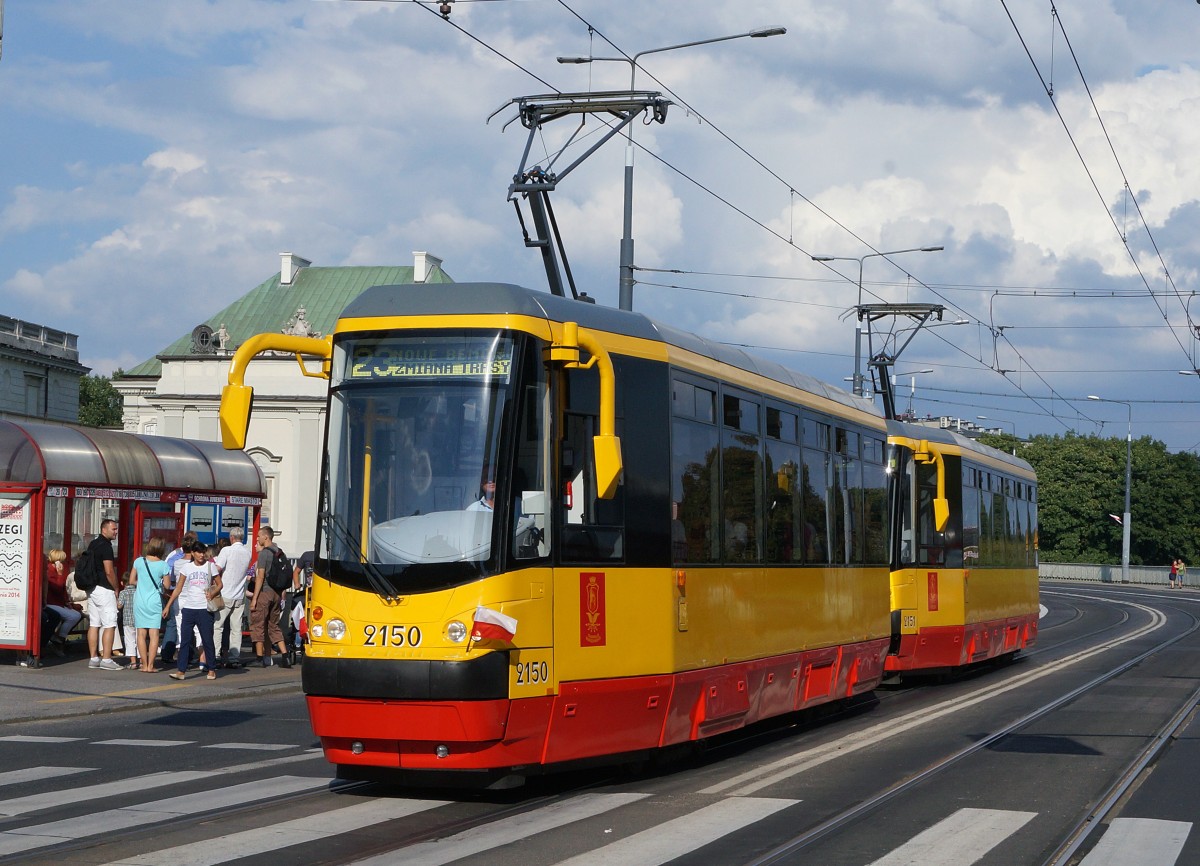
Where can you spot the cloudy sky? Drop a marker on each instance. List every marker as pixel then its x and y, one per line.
pixel 157 155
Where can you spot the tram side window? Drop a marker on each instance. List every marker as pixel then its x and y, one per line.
pixel 816 489
pixel 695 492
pixel 970 512
pixel 528 521
pixel 999 523
pixel 986 550
pixel 695 473
pixel 846 498
pixel 1033 526
pixel 875 504
pixel 781 483
pixel 906 549
pixel 931 548
pixel 593 529
pixel 1021 504
pixel 741 482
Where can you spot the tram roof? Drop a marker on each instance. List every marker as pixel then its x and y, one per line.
pixel 950 437
pixel 506 298
pixel 32 453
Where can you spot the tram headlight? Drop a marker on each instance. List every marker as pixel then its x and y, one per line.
pixel 456 632
pixel 336 629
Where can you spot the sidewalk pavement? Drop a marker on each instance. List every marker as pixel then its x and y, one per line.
pixel 65 687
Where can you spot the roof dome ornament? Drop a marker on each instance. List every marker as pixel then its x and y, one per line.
pixel 202 340
pixel 299 326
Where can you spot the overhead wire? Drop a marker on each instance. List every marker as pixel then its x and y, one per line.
pixel 592 29
pixel 997 334
pixel 1049 90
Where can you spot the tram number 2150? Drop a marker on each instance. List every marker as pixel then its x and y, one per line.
pixel 391 636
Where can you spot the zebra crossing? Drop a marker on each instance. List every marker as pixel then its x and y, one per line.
pixel 674 829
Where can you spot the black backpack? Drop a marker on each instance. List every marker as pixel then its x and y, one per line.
pixel 87 571
pixel 279 576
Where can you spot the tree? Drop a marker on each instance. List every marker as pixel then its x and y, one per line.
pixel 99 402
pixel 1081 481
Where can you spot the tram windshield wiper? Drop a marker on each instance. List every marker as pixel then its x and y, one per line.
pixel 383 587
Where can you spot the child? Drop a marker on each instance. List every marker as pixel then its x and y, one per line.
pixel 128 623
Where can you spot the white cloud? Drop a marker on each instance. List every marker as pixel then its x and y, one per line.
pixel 160 154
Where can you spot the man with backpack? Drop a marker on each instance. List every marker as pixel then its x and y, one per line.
pixel 272 577
pixel 97 566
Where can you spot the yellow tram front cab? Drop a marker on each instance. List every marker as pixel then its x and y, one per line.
pixel 964 583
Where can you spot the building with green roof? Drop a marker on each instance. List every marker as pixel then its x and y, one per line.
pixel 177 392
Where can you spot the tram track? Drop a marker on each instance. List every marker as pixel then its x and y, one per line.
pixel 1096 811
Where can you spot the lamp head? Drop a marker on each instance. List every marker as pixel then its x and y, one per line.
pixel 763 32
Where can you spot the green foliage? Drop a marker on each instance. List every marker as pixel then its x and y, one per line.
pixel 99 401
pixel 1081 481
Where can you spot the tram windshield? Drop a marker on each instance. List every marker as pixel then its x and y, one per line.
pixel 414 487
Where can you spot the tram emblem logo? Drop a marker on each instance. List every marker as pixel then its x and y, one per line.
pixel 591 609
pixel 933 590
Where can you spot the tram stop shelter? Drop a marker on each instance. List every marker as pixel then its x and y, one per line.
pixel 58 482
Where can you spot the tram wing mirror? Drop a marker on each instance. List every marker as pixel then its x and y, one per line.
pixel 608 465
pixel 941 506
pixel 235 415
pixel 941 514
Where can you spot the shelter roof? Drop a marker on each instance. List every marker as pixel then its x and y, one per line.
pixel 32 453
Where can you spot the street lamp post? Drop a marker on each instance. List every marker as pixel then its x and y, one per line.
pixel 1128 475
pixel 626 279
pixel 858 377
pixel 912 393
pixel 999 421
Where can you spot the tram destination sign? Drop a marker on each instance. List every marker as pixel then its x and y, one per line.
pixel 455 359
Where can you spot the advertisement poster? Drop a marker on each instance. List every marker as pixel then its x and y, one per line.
pixel 14 569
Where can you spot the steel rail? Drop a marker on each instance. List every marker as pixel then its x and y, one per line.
pixel 1108 801
pixel 808 837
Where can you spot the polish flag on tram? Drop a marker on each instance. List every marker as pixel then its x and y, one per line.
pixel 299 620
pixel 492 625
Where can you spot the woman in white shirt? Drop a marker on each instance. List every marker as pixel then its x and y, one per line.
pixel 197 582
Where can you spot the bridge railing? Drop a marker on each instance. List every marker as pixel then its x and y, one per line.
pixel 1081 571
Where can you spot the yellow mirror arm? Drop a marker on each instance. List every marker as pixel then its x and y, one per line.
pixel 607 445
pixel 237 397
pixel 941 507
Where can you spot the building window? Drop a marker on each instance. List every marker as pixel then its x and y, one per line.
pixel 35 395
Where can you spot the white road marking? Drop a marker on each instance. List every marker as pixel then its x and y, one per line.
pixel 151 743
pixel 17 738
pixel 960 840
pixel 260 747
pixel 493 835
pixel 152 812
pixel 1138 841
pixel 51 799
pixel 299 831
pixel 34 774
pixel 680 836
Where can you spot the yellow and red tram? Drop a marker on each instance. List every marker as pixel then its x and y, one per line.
pixel 551 531
pixel 964 583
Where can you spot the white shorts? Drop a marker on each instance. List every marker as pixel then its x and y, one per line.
pixel 102 608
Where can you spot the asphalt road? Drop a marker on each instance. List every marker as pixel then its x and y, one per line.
pixel 1090 731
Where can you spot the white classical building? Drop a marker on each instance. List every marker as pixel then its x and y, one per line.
pixel 178 391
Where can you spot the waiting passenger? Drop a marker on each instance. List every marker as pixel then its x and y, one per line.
pixel 59 601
